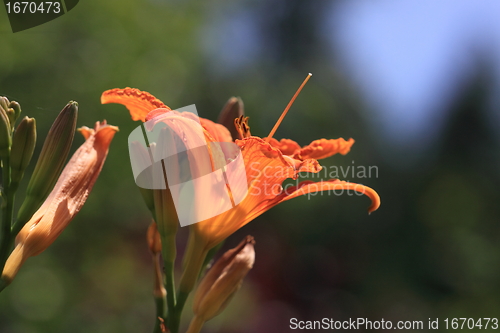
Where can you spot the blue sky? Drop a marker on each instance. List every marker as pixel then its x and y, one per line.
pixel 410 58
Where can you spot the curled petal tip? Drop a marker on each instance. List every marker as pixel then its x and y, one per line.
pixel 368 191
pixel 375 201
pixel 85 131
pixel 101 130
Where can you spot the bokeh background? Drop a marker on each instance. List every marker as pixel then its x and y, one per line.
pixel 416 83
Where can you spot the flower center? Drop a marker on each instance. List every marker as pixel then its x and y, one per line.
pixel 242 127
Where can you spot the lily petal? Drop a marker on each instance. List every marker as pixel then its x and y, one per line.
pixel 324 148
pixel 287 146
pixel 308 186
pixel 317 149
pixel 138 102
pixel 219 132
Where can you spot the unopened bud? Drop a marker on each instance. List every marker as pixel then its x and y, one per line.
pixel 54 153
pixel 5 131
pixel 16 108
pixel 232 109
pixel 23 145
pixel 9 110
pixel 223 280
pixel 4 102
pixel 154 239
pixel 65 201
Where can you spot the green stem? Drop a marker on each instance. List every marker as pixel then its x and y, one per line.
pixel 175 316
pixel 159 295
pixel 170 287
pixel 18 225
pixel 181 301
pixel 167 227
pixel 7 212
pixel 169 253
pixel 176 305
pixel 160 313
pixel 195 257
pixel 3 284
pixel 7 240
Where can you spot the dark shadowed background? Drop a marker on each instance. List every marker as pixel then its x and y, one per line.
pixel 415 83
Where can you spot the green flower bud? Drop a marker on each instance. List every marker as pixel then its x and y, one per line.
pixel 51 161
pixel 5 131
pixel 4 103
pixel 23 145
pixel 12 118
pixel 14 107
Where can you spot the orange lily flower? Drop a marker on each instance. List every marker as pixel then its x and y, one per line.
pixel 66 199
pixel 267 165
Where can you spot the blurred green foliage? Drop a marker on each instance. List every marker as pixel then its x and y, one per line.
pixel 432 249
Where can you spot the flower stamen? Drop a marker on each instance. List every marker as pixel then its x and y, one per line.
pixel 242 127
pixel 278 123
